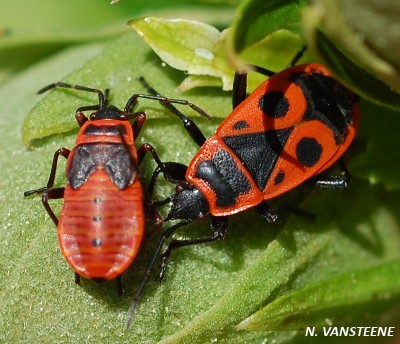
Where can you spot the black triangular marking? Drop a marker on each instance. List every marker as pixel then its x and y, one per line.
pixel 259 152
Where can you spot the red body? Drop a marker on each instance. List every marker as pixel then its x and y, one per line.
pixel 101 226
pixel 246 135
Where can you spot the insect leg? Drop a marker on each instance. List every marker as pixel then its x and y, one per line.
pixel 167 233
pixel 335 182
pixel 52 194
pixel 267 212
pixel 239 88
pixel 102 96
pixel 140 118
pixel 191 127
pixel 219 226
pixel 297 57
pixel 65 153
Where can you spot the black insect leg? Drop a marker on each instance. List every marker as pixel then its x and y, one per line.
pixel 63 152
pixel 140 118
pixel 219 226
pixel 334 182
pixel 102 96
pixel 240 83
pixel 167 233
pixel 239 88
pixel 161 167
pixel 269 72
pixel 52 194
pixel 47 191
pixel 148 148
pixel 153 205
pixel 174 172
pixel 298 56
pixel 191 127
pixel 267 212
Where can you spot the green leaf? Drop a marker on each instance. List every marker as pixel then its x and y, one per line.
pixel 217 285
pixel 187 45
pixel 352 59
pixel 340 299
pixel 246 294
pixel 256 19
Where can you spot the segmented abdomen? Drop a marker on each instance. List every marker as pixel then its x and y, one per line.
pixel 101 227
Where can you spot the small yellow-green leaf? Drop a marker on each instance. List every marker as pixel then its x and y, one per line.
pixel 187 45
pixel 172 41
pixel 273 52
pixel 342 299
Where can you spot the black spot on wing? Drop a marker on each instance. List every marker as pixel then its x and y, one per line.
pixel 279 178
pixel 308 151
pixel 240 125
pixel 274 104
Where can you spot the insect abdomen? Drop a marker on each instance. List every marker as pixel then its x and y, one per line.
pixel 101 227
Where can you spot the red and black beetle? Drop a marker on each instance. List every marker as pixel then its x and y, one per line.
pixel 102 220
pixel 294 126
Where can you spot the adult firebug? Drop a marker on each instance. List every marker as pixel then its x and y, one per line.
pixel 101 225
pixel 294 126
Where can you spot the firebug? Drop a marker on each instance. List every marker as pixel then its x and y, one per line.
pixel 295 125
